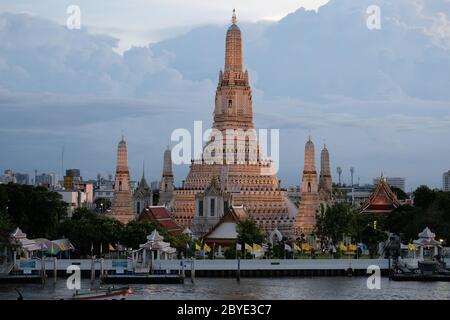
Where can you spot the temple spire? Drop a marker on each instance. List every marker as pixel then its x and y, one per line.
pixel 121 208
pixel 233 17
pixel 233 48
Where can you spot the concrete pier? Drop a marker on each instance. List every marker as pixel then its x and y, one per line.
pixel 213 268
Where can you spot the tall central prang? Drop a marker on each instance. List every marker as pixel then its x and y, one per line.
pixel 233 105
pixel 239 180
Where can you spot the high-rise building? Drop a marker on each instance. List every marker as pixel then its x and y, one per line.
pixel 23 178
pixel 167 183
pixel 46 179
pixel 121 208
pixel 8 177
pixel 71 178
pixel 393 182
pixel 446 181
pixel 233 157
pixel 309 199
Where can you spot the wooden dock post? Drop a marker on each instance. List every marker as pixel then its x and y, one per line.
pixel 238 272
pixel 101 269
pixel 55 270
pixel 183 275
pixel 193 270
pixel 92 270
pixel 43 271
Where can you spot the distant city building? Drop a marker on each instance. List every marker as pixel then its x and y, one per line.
pixel 8 177
pixel 356 195
pixel 22 178
pixel 393 182
pixel 74 199
pixel 446 181
pixel 46 179
pixel 72 176
pixel 104 189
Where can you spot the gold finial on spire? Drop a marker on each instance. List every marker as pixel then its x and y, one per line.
pixel 233 17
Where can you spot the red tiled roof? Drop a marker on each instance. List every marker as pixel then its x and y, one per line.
pixel 162 216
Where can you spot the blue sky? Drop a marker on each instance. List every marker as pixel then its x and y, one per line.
pixel 379 99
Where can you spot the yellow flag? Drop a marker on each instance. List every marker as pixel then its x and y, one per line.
pixel 101 248
pixel 306 247
pixel 296 247
pixel 111 248
pixel 197 247
pixel 248 247
pixel 206 248
pixel 257 247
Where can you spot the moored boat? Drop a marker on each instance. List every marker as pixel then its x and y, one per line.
pixel 103 293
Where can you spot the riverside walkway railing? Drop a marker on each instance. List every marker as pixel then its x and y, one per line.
pixel 216 264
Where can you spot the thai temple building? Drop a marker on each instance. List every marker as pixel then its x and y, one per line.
pixel 231 172
pixel 122 205
pixel 142 196
pixel 167 182
pixel 309 198
pixel 382 201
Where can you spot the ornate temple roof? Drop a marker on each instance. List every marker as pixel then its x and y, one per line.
pixel 143 189
pixel 225 229
pixel 382 200
pixel 162 216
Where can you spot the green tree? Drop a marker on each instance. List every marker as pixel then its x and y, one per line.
pixel 334 222
pixel 406 221
pixel 135 232
pixel 35 210
pixel 423 197
pixel 438 216
pixel 369 229
pixel 5 229
pixel 249 232
pixel 87 228
pixel 401 195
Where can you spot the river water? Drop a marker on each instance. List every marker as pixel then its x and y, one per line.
pixel 322 288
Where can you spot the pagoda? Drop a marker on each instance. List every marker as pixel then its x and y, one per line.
pixel 122 205
pixel 382 201
pixel 309 196
pixel 235 160
pixel 167 182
